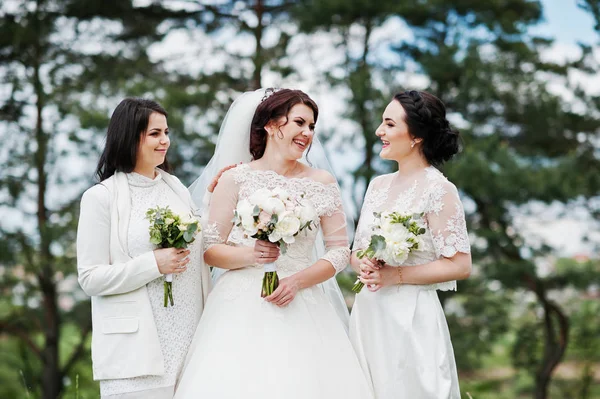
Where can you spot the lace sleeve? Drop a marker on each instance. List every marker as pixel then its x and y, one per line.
pixel 220 210
pixel 372 201
pixel 446 220
pixel 335 235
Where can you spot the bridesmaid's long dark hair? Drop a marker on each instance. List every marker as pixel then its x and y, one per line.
pixel 127 124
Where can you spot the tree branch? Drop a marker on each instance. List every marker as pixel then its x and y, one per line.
pixel 22 334
pixel 78 350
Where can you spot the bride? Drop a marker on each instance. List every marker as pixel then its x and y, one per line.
pixel 293 343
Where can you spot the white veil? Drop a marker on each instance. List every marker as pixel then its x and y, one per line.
pixel 232 147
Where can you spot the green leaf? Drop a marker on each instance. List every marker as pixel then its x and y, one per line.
pixel 377 243
pixel 188 236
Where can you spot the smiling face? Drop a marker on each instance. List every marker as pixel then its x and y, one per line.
pixel 154 143
pixel 394 133
pixel 292 135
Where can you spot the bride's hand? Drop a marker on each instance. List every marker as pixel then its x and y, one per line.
pixel 285 292
pixel 376 279
pixel 265 252
pixel 215 180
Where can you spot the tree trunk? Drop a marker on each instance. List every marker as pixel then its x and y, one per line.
pixel 555 347
pixel 258 54
pixel 556 333
pixel 362 97
pixel 51 380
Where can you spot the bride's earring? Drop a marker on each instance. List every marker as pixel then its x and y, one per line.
pixel 412 144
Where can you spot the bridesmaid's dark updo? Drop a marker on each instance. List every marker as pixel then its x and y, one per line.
pixel 275 105
pixel 426 119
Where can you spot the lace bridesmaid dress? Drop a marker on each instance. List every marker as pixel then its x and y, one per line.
pixel 400 332
pixel 175 325
pixel 248 348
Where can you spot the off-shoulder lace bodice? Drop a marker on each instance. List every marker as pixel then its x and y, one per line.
pixel 430 193
pixel 242 181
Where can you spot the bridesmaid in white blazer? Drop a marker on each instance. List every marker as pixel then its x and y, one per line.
pixel 138 345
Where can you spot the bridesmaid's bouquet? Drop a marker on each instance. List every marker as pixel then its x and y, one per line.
pixel 168 230
pixel 395 236
pixel 275 216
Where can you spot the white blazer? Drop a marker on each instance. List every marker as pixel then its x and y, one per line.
pixel 124 339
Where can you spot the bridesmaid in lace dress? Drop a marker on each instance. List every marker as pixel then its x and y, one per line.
pixel 138 345
pixel 397 325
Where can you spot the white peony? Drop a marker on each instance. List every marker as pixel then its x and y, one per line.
pixel 245 211
pixel 260 197
pixel 397 244
pixel 386 226
pixel 280 193
pixel 287 226
pixel 274 206
pixel 306 212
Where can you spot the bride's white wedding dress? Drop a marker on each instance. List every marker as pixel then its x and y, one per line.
pixel 247 348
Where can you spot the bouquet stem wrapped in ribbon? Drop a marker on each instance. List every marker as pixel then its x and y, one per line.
pixel 168 230
pixel 277 217
pixel 395 236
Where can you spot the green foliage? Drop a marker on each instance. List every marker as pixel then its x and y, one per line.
pixel 478 322
pixel 64 65
pixel 169 230
pixel 585 331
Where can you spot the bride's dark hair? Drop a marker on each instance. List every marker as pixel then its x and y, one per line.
pixel 276 105
pixel 426 119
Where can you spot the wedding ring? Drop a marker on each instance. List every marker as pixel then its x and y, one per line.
pixel 262 254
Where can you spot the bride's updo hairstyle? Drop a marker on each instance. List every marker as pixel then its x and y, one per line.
pixel 275 105
pixel 426 119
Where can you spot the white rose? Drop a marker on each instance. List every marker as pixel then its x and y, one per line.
pixel 169 221
pixel 286 227
pixel 185 221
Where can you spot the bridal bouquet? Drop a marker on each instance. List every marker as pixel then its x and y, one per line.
pixel 275 216
pixel 168 230
pixel 395 235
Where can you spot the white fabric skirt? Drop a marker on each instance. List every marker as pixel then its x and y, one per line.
pixel 245 347
pixel 402 341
